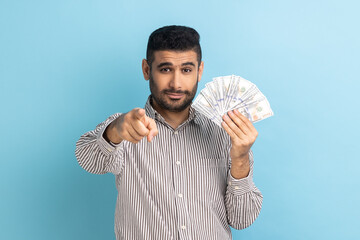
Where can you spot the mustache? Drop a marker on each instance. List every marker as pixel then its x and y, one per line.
pixel 175 91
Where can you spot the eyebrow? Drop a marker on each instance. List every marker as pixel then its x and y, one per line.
pixel 170 64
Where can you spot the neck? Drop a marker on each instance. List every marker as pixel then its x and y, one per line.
pixel 174 119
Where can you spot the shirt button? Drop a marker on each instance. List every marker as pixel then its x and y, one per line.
pixel 180 195
pixel 178 162
pixel 176 132
pixel 236 187
pixel 183 227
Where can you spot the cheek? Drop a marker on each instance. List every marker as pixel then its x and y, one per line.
pixel 157 85
pixel 191 83
pixel 162 80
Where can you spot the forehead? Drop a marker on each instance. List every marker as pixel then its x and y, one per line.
pixel 175 57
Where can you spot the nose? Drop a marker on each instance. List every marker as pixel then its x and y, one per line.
pixel 175 82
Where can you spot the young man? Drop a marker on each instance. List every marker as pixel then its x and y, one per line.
pixel 178 175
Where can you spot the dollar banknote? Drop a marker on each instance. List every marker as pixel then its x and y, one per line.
pixel 226 93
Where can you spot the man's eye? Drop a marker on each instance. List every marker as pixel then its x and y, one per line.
pixel 165 70
pixel 187 70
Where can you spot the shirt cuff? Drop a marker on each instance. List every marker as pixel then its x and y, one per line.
pixel 106 147
pixel 240 186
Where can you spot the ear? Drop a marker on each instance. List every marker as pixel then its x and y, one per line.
pixel 146 69
pixel 201 69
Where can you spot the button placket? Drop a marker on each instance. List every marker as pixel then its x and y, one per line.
pixel 178 178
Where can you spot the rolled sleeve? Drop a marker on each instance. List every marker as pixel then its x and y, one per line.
pixel 240 186
pixel 106 147
pixel 96 155
pixel 243 199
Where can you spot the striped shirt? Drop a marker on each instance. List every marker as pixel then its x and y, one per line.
pixel 178 186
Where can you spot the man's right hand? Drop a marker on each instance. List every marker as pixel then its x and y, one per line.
pixel 132 126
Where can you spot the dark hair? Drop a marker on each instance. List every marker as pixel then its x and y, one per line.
pixel 177 38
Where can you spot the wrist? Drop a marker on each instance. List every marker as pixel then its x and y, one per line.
pixel 111 134
pixel 240 167
pixel 239 172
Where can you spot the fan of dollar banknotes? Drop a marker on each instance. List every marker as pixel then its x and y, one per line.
pixel 231 92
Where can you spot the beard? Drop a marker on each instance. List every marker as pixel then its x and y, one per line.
pixel 172 105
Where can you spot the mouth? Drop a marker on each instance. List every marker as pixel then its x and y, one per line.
pixel 175 96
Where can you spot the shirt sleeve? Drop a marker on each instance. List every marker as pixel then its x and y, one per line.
pixel 96 155
pixel 243 199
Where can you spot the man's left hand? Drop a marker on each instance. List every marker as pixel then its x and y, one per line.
pixel 243 135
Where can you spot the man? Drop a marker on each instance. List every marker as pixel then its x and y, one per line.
pixel 178 175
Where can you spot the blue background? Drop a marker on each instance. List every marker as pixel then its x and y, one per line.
pixel 65 66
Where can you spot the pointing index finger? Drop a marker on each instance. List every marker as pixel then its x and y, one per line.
pixel 153 129
pixel 139 114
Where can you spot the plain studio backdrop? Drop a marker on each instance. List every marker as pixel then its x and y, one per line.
pixel 65 66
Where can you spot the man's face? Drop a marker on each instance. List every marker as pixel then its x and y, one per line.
pixel 174 77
